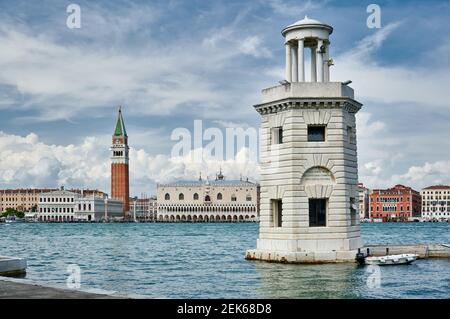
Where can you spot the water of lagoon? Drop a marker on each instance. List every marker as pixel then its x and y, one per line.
pixel 207 261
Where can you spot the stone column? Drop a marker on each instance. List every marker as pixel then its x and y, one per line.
pixel 301 60
pixel 313 64
pixel 288 62
pixel 294 65
pixel 319 62
pixel 326 65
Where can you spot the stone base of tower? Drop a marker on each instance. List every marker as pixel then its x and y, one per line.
pixel 311 251
pixel 303 257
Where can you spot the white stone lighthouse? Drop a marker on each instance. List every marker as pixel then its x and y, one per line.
pixel 309 174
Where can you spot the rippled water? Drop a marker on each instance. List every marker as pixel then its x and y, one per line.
pixel 207 261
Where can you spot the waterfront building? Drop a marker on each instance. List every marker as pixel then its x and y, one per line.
pixel 27 200
pixel 309 172
pixel 207 200
pixel 67 206
pixel 436 202
pixel 398 203
pixel 20 199
pixel 144 208
pixel 364 193
pixel 120 183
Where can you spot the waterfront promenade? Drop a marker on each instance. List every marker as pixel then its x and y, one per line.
pixel 12 288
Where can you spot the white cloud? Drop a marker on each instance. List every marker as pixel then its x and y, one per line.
pixel 231 124
pixel 252 45
pixel 373 168
pixel 428 174
pixel 418 177
pixel 28 162
pixel 391 84
pixel 366 127
pixel 293 8
pixel 62 77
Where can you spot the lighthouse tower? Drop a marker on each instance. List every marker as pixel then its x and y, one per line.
pixel 309 174
pixel 120 185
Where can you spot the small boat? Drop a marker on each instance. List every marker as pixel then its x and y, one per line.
pixel 13 219
pixel 369 259
pixel 402 259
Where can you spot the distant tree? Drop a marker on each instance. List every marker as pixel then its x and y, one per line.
pixel 13 212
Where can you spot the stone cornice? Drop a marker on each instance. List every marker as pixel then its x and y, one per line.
pixel 345 103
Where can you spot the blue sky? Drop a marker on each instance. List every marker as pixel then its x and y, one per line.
pixel 170 62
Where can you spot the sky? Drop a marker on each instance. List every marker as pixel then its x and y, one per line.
pixel 169 63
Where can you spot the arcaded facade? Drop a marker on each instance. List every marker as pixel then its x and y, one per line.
pixel 218 200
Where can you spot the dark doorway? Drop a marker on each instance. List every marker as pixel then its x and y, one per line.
pixel 277 211
pixel 317 212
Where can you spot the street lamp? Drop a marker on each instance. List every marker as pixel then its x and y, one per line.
pixel 106 208
pixel 134 208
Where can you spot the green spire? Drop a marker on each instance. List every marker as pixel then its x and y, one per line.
pixel 120 126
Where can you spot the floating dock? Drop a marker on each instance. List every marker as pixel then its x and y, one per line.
pixel 423 251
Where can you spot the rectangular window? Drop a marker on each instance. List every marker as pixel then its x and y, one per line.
pixel 316 133
pixel 353 211
pixel 277 212
pixel 277 135
pixel 350 136
pixel 317 212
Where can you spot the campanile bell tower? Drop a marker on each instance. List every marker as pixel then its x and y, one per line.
pixel 309 172
pixel 120 185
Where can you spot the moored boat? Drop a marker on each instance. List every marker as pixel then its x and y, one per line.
pixel 399 259
pixel 402 259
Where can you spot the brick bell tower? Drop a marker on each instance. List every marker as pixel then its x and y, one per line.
pixel 120 184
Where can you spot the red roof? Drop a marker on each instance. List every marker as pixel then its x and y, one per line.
pixel 395 190
pixel 438 187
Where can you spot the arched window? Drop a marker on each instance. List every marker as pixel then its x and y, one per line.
pixel 248 198
pixel 167 196
pixel 233 198
pixel 181 196
pixel 207 198
pixel 195 196
pixel 219 196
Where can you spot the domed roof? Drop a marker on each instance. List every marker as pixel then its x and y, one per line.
pixel 307 22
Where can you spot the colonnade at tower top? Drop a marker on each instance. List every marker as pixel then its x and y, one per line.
pixel 312 34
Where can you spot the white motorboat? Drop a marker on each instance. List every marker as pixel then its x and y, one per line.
pixel 402 259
